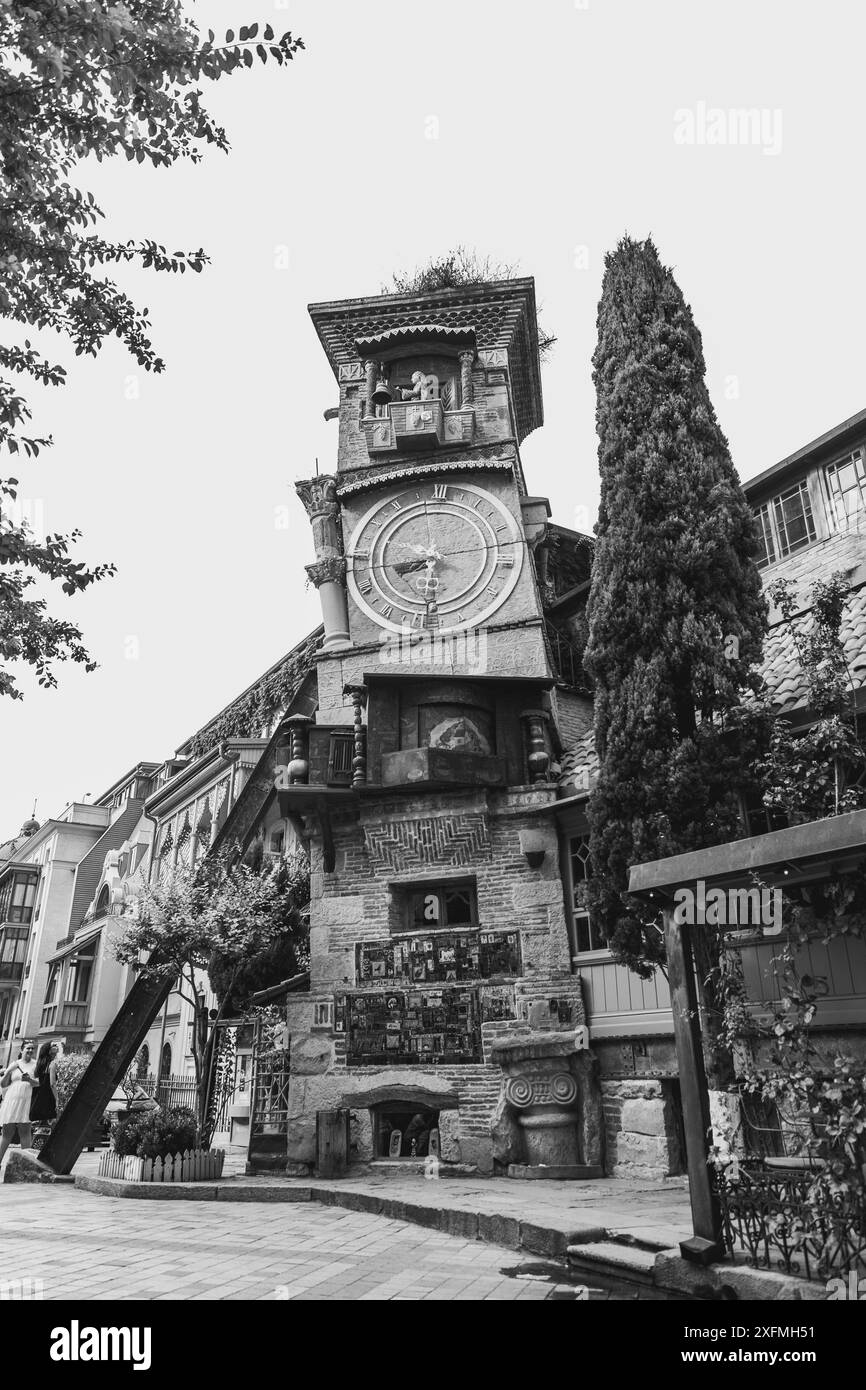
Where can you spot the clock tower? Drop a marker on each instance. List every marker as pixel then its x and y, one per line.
pixel 443 1013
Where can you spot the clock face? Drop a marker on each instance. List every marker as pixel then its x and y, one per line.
pixel 435 557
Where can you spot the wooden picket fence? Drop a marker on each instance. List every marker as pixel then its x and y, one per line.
pixel 195 1165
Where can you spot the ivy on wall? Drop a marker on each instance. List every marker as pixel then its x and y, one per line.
pixel 257 708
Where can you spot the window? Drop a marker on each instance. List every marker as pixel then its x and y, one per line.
pixel 786 524
pixel 16 898
pixel 49 1006
pixel 340 759
pixel 13 949
pixel 276 841
pixel 585 935
pixel 442 905
pixel 846 485
pixel 78 975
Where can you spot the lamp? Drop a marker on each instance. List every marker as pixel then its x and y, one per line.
pixel 533 847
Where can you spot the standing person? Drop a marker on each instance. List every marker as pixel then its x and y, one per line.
pixel 43 1105
pixel 17 1082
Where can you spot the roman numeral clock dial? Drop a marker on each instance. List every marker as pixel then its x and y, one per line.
pixel 437 557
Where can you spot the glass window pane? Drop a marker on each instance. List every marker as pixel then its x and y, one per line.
pixel 458 907
pixel 793 516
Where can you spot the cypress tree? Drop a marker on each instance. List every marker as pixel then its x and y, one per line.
pixel 676 612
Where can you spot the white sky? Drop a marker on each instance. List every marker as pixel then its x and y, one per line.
pixel 556 129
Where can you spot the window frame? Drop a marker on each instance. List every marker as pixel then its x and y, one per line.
pixel 834 499
pixel 441 887
pixel 767 514
pixel 574 912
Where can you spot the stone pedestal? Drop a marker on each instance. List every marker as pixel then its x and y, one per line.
pixel 550 1094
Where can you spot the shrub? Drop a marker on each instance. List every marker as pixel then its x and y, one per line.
pixel 156 1133
pixel 69 1071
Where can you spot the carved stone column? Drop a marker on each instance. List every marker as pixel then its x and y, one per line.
pixel 319 496
pixel 550 1090
pixel 329 577
pixel 370 371
pixel 467 361
pixel 537 756
pixel 358 694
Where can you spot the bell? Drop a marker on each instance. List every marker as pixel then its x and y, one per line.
pixel 382 394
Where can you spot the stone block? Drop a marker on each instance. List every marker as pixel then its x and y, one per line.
pixel 311 1056
pixel 477 1150
pixel 537 893
pixel 542 1240
pixel 340 912
pixel 736 1282
pixel 449 1138
pixel 459 1223
pixel 644 1117
pixel 499 1230
pixel 22 1166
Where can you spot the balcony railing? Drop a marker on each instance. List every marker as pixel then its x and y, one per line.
pixel 69 1015
pixel 11 972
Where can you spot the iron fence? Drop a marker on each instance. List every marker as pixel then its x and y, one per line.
pixel 792 1221
pixel 170 1090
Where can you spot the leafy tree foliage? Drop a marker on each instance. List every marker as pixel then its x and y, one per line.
pixel 232 911
pixel 100 79
pixel 676 613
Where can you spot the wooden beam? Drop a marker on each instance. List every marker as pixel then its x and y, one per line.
pixel 706 1243
pixel 108 1066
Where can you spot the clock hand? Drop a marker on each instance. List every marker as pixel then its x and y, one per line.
pixel 410 566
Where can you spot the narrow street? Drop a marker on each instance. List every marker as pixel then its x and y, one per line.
pixel 83 1246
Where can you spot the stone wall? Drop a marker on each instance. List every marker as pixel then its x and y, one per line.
pixel 403 840
pixel 641 1130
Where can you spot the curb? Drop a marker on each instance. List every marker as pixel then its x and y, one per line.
pixel 491 1228
pixel 586 1250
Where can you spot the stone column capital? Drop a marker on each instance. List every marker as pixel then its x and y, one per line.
pixel 319 495
pixel 330 570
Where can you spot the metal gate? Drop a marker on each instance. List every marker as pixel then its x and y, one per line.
pixel 269 1111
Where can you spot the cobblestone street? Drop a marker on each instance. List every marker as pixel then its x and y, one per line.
pixel 83 1246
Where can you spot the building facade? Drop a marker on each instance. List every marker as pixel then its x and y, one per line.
pixel 421 763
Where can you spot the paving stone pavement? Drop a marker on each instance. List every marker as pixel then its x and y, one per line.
pixel 82 1246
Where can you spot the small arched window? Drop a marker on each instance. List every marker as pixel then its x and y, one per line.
pixel 165 1064
pixel 102 901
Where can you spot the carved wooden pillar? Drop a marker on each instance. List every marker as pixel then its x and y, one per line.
pixel 467 361
pixel 299 765
pixel 358 694
pixel 319 496
pixel 537 756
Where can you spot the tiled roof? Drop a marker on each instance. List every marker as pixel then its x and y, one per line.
pixel 781 669
pixel 579 766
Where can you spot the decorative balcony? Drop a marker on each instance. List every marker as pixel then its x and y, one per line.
pixel 441 767
pixel 415 426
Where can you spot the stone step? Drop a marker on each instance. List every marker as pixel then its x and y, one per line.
pixel 607 1257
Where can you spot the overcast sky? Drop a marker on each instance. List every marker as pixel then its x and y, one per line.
pixel 537 133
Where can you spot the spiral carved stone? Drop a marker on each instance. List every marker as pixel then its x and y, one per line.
pixel 563 1088
pixel 519 1092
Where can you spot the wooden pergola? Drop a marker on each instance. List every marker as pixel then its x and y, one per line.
pixel 796 856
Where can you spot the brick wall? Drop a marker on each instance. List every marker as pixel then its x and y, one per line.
pixel 397 841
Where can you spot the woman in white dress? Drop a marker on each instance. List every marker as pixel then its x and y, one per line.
pixel 17 1084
